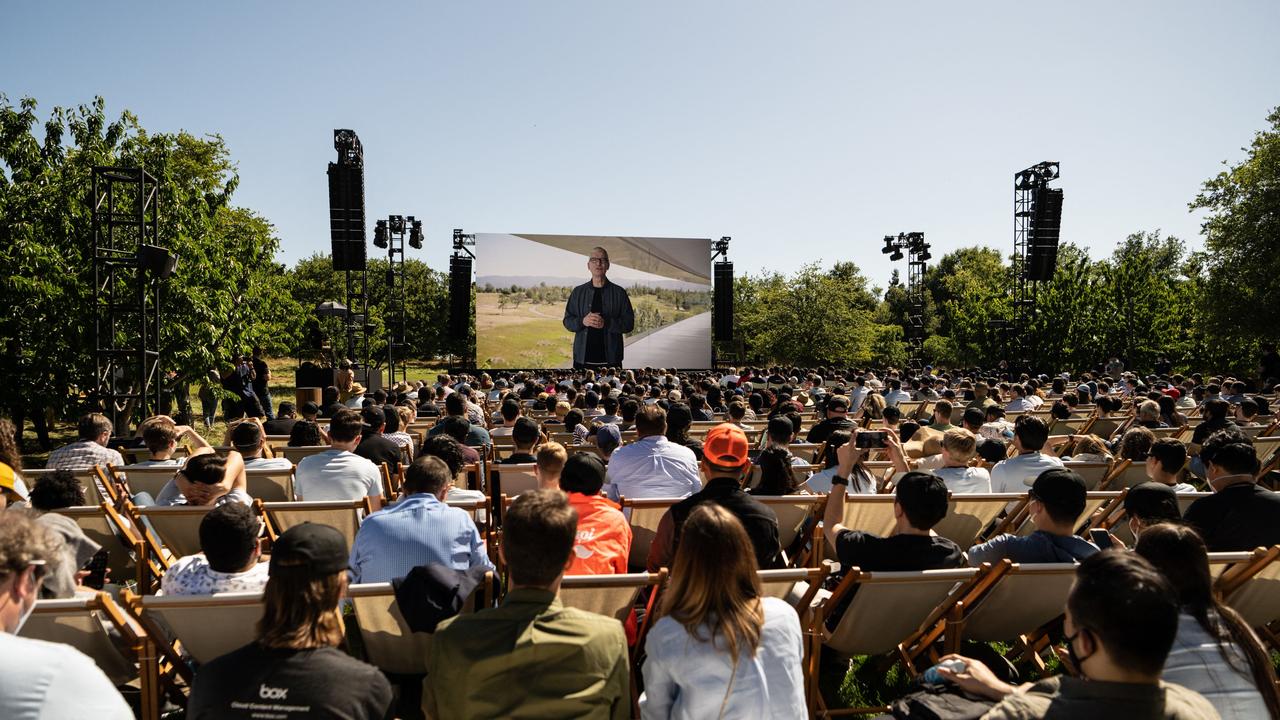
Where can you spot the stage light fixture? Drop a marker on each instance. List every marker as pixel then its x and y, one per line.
pixel 380 234
pixel 397 224
pixel 896 256
pixel 415 233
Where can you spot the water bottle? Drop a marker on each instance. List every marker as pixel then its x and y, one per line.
pixel 933 677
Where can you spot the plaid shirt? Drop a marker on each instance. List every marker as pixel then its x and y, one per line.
pixel 83 455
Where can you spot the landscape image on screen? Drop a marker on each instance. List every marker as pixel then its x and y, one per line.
pixel 524 284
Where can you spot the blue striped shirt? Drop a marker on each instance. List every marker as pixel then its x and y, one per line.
pixel 419 530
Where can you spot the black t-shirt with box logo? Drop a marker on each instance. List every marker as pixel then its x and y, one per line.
pixel 282 684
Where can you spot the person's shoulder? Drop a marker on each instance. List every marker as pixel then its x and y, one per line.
pixel 1185 704
pixel 780 613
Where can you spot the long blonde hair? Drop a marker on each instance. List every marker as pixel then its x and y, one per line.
pixel 300 611
pixel 714 583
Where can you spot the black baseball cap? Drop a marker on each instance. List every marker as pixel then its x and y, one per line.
pixel 1060 490
pixel 1152 501
pixel 321 549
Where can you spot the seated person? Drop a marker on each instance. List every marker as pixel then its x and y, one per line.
pixel 420 529
pixel 549 462
pixel 53 492
pixel 780 434
pixel 282 423
pixel 1016 473
pixel 1239 515
pixel 920 502
pixel 450 451
pixel 510 412
pixel 727 464
pixel 603 541
pixel 776 476
pixel 307 433
pixel 1215 652
pixel 1148 504
pixel 161 436
pixel 208 479
pixel 338 473
pixel 532 656
pixel 958 448
pixel 458 429
pixel 90 449
pixel 525 433
pixel 1164 463
pixel 859 478
pixel 1057 498
pixel 608 438
pixel 229 557
pixel 652 466
pixel 295 658
pixel 1121 620
pixel 249 440
pixel 398 418
pixel 374 446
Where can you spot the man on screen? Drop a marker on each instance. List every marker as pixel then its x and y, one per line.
pixel 598 314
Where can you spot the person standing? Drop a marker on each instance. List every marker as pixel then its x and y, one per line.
pixel 261 382
pixel 598 313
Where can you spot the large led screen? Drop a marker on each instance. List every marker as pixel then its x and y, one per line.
pixel 559 301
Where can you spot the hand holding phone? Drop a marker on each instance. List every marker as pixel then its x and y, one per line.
pixel 97 569
pixel 870 439
pixel 1101 538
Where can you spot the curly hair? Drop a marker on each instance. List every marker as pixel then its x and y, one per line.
pixel 58 490
pixel 10 453
pixel 23 541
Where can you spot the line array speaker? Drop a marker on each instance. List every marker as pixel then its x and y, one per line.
pixel 459 296
pixel 346 216
pixel 722 296
pixel 1042 236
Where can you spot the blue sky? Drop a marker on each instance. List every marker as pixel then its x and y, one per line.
pixel 804 130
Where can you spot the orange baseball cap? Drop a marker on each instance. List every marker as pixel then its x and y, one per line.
pixel 726 445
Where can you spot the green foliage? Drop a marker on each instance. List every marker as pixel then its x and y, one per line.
pixel 1242 240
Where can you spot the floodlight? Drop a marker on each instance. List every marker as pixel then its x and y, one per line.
pixel 415 233
pixel 380 234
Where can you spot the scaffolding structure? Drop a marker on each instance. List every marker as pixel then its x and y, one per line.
pixel 126 298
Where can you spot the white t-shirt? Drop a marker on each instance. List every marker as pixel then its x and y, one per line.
pixel 1016 474
pixel 261 463
pixel 336 475
pixel 40 680
pixel 965 479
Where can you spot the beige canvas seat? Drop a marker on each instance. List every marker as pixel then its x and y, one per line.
pixel 1091 472
pixel 1125 474
pixel 643 516
pixel 177 527
pixel 296 454
pixel 887 609
pixel 1252 588
pixel 797 586
pixel 145 479
pixel 269 485
pixel 202 627
pixel 388 641
pixel 869 513
pixel 1023 599
pixel 610 595
pixel 795 513
pixel 969 513
pixel 512 480
pixel 87 623
pixel 93 494
pixel 344 515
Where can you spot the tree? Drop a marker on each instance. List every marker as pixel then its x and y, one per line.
pixel 1242 241
pixel 223 296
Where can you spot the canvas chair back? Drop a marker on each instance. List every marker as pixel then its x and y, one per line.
pixel 643 516
pixel 969 513
pixel 87 477
pixel 270 485
pixel 609 595
pixel 1092 472
pixel 1105 427
pixel 146 479
pixel 512 480
pixel 176 527
pixel 797 586
pixel 1092 501
pixel 86 623
pixel 206 626
pixel 1257 599
pixel 295 454
pixel 343 515
pixel 104 526
pixel 389 643
pixel 1027 597
pixel 869 513
pixel 794 514
pixel 1127 474
pixel 890 606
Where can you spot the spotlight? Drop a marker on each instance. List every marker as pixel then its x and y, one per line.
pixel 157 260
pixel 926 256
pixel 888 245
pixel 896 256
pixel 380 234
pixel 397 224
pixel 415 233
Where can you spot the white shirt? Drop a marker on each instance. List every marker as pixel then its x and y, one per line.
pixel 192 575
pixel 1019 405
pixel 688 677
pixel 893 397
pixel 336 475
pixel 856 396
pixel 42 680
pixel 653 467
pixel 1016 474
pixel 261 463
pixel 965 479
